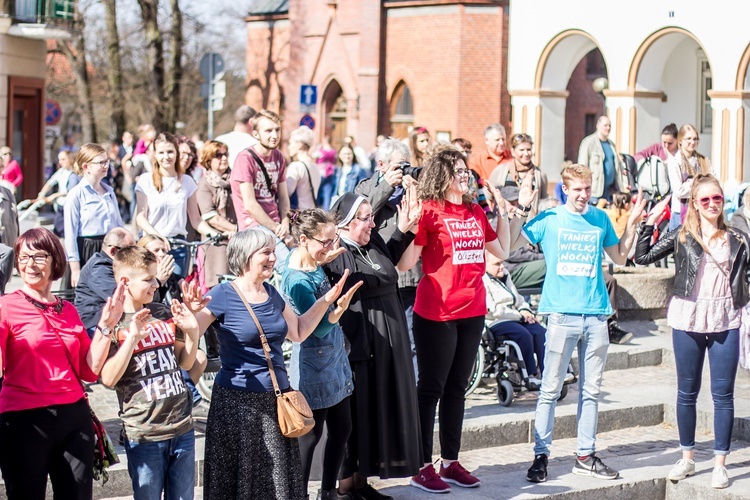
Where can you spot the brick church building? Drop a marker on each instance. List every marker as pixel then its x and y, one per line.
pixel 385 66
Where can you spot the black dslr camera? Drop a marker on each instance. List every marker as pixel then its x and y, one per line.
pixel 407 169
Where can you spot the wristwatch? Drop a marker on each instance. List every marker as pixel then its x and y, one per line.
pixel 106 331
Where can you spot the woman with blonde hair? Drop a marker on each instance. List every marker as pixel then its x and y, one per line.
pixel 165 199
pixel 91 209
pixel 710 290
pixel 682 169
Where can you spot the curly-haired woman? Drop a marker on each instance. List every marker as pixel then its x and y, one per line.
pixel 450 307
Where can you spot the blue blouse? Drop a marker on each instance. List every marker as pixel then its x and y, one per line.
pixel 243 364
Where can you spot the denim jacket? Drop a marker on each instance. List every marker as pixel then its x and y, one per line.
pixel 319 366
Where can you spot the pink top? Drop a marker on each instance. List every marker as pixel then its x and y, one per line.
pixel 710 308
pixel 37 370
pixel 247 170
pixel 13 173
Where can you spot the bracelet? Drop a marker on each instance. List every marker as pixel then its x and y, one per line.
pixel 523 208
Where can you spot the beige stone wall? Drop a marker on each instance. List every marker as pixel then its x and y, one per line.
pixel 18 57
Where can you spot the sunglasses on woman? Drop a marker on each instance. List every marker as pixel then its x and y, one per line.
pixel 706 200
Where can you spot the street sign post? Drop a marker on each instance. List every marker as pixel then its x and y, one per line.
pixel 307 121
pixel 212 69
pixel 308 98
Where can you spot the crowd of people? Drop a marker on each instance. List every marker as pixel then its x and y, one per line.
pixel 385 270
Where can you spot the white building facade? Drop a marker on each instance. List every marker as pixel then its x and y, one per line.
pixel 667 62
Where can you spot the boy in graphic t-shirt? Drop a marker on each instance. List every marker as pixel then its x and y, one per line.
pixel 572 237
pixel 150 345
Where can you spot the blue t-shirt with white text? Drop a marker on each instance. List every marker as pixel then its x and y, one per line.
pixel 572 244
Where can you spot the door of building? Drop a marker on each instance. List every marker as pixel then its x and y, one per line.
pixel 26 132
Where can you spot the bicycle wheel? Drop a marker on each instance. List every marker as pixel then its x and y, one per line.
pixel 476 372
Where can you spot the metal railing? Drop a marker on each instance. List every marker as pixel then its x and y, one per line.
pixel 57 12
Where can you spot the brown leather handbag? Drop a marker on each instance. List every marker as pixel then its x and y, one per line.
pixel 295 416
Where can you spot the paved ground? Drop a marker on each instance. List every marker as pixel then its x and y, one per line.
pixel 637 393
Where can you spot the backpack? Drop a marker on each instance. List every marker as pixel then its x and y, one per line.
pixel 631 169
pixel 652 176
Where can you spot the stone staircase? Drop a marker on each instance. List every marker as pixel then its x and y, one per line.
pixel 637 436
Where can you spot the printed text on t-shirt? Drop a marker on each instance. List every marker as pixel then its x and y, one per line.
pixel 578 251
pixel 467 240
pixel 154 360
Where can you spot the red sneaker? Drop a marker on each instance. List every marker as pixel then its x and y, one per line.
pixel 428 480
pixel 456 474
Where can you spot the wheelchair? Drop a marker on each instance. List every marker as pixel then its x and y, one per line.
pixel 502 360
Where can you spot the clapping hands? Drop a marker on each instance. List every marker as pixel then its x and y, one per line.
pixel 409 210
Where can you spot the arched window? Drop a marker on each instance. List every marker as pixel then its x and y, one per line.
pixel 402 111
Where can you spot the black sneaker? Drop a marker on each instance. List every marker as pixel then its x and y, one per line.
pixel 594 467
pixel 617 335
pixel 538 470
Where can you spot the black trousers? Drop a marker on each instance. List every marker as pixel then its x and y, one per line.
pixel 446 351
pixel 338 419
pixel 56 440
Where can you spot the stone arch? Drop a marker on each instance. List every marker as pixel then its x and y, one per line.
pixel 561 74
pixel 560 57
pixel 743 82
pixel 665 92
pixel 641 54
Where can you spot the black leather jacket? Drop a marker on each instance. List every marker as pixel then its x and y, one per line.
pixel 687 259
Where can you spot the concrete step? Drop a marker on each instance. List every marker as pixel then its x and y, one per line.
pixel 642 455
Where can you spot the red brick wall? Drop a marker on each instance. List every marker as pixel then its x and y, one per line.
pixel 581 101
pixel 454 63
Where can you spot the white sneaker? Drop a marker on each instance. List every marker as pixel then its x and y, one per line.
pixel 684 468
pixel 569 377
pixel 720 477
pixel 533 381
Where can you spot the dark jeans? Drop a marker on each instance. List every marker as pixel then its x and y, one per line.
pixel 338 419
pixel 723 356
pixel 56 440
pixel 163 466
pixel 446 351
pixel 529 337
pixel 611 283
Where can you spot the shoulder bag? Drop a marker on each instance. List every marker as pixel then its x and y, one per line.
pixel 104 451
pixel 295 416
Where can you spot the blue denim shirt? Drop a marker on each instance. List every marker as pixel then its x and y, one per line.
pixel 319 366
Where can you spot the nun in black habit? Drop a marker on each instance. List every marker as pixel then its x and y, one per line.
pixel 385 439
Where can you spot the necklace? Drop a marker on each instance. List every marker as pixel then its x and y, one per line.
pixel 367 259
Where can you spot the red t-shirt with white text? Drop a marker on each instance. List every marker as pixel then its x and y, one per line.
pixel 453 237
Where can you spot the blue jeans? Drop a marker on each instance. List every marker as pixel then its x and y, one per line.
pixel 529 337
pixel 167 466
pixel 564 332
pixel 723 356
pixel 674 221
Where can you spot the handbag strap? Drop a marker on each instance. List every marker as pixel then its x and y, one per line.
pixel 67 353
pixel 263 339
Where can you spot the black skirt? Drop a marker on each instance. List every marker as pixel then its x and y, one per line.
pixel 87 247
pixel 246 454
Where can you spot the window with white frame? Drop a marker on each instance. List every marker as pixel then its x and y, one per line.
pixel 705 115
